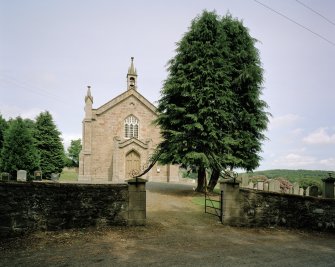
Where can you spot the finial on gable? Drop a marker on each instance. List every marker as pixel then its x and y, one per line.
pixel 88 94
pixel 131 69
pixel 132 76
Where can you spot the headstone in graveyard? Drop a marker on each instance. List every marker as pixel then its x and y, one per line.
pixel 251 185
pixel 54 176
pixel 301 191
pixel 245 181
pixel 271 185
pixel 38 175
pixel 4 176
pixel 313 191
pixel 260 185
pixel 21 176
pixel 307 191
pixel 276 186
pixel 296 188
pixel 266 186
pixel 328 186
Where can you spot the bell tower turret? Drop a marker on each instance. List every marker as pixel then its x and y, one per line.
pixel 132 76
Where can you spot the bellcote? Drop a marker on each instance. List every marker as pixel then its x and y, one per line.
pixel 132 76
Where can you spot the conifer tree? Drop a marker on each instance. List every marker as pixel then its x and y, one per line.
pixel 3 128
pixel 210 113
pixel 49 145
pixel 19 151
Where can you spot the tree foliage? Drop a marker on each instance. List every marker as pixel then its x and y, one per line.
pixel 73 152
pixel 19 151
pixel 49 144
pixel 3 128
pixel 210 112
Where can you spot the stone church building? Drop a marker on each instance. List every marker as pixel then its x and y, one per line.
pixel 119 137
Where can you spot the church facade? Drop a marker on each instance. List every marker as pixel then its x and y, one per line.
pixel 119 138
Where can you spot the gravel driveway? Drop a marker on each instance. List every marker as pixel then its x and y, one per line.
pixel 178 233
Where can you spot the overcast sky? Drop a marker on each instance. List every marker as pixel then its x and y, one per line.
pixel 51 50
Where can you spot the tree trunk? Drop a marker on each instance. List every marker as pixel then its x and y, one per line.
pixel 201 180
pixel 213 180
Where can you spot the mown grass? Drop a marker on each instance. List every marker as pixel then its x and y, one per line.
pixel 68 175
pixel 200 200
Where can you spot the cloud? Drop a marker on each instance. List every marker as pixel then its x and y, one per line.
pixel 295 160
pixel 330 162
pixel 13 112
pixel 320 137
pixel 297 132
pixel 283 121
pixel 67 137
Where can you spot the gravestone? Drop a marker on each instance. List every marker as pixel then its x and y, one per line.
pixel 5 176
pixel 307 191
pixel 266 186
pixel 328 186
pixel 251 185
pixel 245 181
pixel 313 191
pixel 260 185
pixel 54 176
pixel 38 175
pixel 21 176
pixel 301 191
pixel 274 186
pixel 296 188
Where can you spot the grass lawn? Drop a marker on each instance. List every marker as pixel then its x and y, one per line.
pixel 68 175
pixel 200 200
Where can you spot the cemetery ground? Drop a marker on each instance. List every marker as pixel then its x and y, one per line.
pixel 178 233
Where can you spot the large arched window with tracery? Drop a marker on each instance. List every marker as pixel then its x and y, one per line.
pixel 131 127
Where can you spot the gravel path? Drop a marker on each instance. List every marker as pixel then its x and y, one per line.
pixel 178 233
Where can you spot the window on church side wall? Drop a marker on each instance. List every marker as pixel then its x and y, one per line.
pixel 131 127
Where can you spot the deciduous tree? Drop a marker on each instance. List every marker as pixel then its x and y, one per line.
pixel 73 152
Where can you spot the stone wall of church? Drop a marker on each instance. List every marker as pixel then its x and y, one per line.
pixel 108 130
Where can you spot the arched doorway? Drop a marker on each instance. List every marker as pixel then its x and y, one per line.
pixel 133 163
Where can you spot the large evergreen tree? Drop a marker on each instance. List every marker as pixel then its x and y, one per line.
pixel 49 145
pixel 210 112
pixel 3 128
pixel 19 151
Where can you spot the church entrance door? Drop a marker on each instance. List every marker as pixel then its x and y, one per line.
pixel 132 163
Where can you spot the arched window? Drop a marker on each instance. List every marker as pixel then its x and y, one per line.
pixel 131 127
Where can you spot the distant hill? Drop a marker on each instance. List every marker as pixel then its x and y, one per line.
pixel 292 174
pixel 304 177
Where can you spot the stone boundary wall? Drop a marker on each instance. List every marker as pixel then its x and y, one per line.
pixel 28 206
pixel 247 207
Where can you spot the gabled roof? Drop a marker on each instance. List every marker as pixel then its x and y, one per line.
pixel 122 97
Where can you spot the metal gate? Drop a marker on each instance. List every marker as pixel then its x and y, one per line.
pixel 214 204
